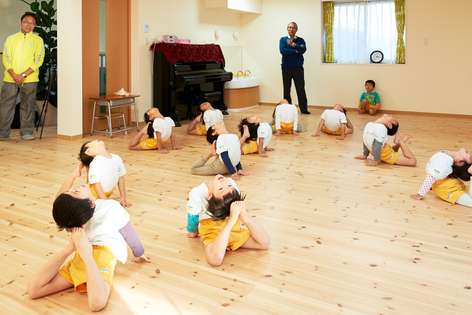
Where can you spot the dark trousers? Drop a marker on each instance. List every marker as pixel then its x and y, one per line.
pixel 298 76
pixel 27 108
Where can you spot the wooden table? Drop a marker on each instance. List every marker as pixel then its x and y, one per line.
pixel 110 102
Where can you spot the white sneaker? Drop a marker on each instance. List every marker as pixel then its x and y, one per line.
pixel 28 137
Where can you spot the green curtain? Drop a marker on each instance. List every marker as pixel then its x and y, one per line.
pixel 400 17
pixel 328 19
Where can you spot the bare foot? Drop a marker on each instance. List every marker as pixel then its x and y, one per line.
pixel 372 112
pixel 235 176
pixel 142 259
pixel 192 234
pixel 371 163
pixel 243 173
pixel 360 157
pixel 416 196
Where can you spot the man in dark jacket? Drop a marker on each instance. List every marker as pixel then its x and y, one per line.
pixel 292 49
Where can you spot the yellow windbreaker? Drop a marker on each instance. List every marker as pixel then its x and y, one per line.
pixel 20 52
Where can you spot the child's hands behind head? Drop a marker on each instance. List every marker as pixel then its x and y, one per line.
pixel 235 210
pixel 81 243
pixel 244 216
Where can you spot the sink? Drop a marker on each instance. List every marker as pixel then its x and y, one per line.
pixel 242 82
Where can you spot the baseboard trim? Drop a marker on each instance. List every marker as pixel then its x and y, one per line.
pixel 387 111
pixel 64 137
pixel 242 109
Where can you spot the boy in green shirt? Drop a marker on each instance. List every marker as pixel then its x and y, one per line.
pixel 370 99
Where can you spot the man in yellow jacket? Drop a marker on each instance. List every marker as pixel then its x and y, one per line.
pixel 23 55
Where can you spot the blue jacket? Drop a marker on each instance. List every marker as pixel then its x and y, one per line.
pixel 292 57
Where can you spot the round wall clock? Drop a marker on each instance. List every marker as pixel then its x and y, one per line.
pixel 376 56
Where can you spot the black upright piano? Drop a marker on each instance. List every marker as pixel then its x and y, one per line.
pixel 186 75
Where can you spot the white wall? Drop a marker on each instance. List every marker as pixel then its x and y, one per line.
pixel 436 78
pixel 186 19
pixel 69 65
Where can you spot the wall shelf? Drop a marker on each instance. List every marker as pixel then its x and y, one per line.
pixel 241 6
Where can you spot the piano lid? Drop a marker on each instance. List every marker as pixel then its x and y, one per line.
pixel 190 52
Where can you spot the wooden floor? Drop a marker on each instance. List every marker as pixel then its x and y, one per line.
pixel 346 238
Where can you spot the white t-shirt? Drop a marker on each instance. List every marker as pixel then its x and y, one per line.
pixel 440 165
pixel 286 113
pixel 198 200
pixel 164 127
pixel 104 227
pixel 106 171
pixel 374 131
pixel 265 132
pixel 229 142
pixel 333 119
pixel 211 117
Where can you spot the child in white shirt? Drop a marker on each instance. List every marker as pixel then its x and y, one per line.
pixel 156 134
pixel 335 122
pixel 216 212
pixel 444 172
pixel 207 118
pixel 100 231
pixel 105 171
pixel 255 136
pixel 286 118
pixel 375 142
pixel 224 156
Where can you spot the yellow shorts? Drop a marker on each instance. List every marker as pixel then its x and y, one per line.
pixel 209 230
pixel 286 127
pixel 449 189
pixel 95 194
pixel 201 129
pixel 75 272
pixel 388 155
pixel 148 144
pixel 250 147
pixel 337 132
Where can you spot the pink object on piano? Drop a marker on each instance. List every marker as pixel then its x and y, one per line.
pixel 183 41
pixel 169 38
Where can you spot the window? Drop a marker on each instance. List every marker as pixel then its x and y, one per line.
pixel 358 28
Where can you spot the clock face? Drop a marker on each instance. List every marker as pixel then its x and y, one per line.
pixel 376 56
